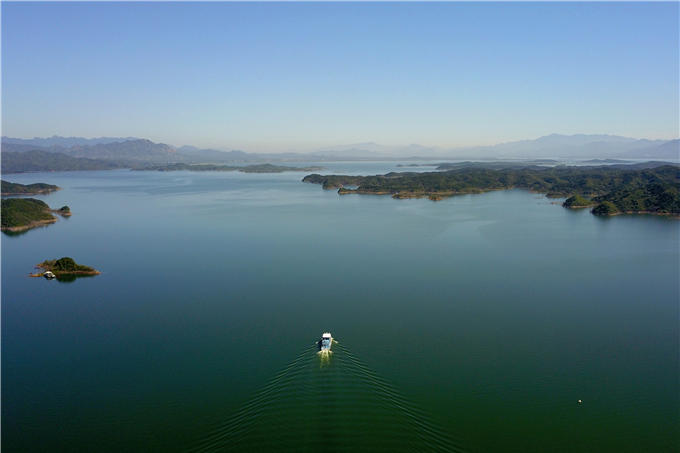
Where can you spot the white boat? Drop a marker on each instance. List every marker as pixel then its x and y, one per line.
pixel 326 341
pixel 49 274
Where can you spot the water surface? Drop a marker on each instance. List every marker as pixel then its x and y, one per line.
pixel 483 319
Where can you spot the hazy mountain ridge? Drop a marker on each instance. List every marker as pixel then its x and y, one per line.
pixel 550 146
pixel 41 160
pixel 140 149
pixel 22 148
pixel 577 146
pixel 65 142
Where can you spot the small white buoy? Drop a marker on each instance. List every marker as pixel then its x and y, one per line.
pixel 579 401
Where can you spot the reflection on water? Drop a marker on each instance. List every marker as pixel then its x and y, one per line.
pixel 21 232
pixel 327 402
pixel 70 278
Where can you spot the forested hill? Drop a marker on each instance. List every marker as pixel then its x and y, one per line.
pixel 10 188
pixel 618 184
pixel 30 161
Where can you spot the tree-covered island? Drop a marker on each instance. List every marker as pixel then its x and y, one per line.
pixel 260 168
pixel 20 214
pixel 652 190
pixel 10 188
pixel 63 266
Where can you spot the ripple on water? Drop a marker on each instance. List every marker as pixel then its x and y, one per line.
pixel 328 402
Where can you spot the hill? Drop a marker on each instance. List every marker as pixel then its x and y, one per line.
pixel 656 198
pixel 10 188
pixel 624 188
pixel 129 150
pixel 64 142
pixel 32 161
pixel 19 148
pixel 24 213
pixel 577 146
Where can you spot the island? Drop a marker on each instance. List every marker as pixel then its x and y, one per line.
pixel 10 188
pixel 260 168
pixel 626 189
pixel 63 267
pixel 20 214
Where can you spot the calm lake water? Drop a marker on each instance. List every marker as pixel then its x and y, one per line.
pixel 475 323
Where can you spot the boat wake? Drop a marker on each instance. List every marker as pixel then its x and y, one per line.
pixel 328 402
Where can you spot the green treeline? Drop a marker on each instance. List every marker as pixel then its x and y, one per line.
pixel 577 201
pixel 21 212
pixel 10 188
pixel 647 190
pixel 659 198
pixel 64 265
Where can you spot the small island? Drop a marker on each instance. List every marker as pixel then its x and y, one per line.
pixel 259 168
pixel 11 188
pixel 19 214
pixel 63 267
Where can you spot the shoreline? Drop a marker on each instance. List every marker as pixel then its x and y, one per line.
pixel 19 194
pixel 38 223
pixel 49 266
pixel 439 196
pixel 33 224
pixel 42 274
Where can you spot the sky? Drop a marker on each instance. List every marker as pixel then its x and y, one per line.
pixel 269 77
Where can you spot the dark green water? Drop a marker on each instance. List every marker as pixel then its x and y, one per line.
pixel 471 324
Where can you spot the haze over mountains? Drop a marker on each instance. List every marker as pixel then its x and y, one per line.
pixel 550 146
pixel 65 142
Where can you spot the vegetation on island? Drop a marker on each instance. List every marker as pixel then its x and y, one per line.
pixel 628 190
pixel 64 266
pixel 260 168
pixel 10 188
pixel 605 208
pixel 20 214
pixel 654 198
pixel 578 201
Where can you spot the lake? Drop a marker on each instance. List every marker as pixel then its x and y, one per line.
pixel 475 323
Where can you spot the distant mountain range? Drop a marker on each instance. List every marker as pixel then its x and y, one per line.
pixel 578 146
pixel 65 142
pixel 551 146
pixel 137 149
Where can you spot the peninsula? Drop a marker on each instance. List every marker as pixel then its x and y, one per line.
pixel 627 190
pixel 20 214
pixel 10 188
pixel 64 266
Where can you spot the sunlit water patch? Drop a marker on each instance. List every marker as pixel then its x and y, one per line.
pixel 328 402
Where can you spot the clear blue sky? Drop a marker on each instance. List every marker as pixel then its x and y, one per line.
pixel 277 76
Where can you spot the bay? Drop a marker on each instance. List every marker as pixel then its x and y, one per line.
pixel 475 323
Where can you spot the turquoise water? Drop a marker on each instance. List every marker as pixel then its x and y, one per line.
pixel 471 324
